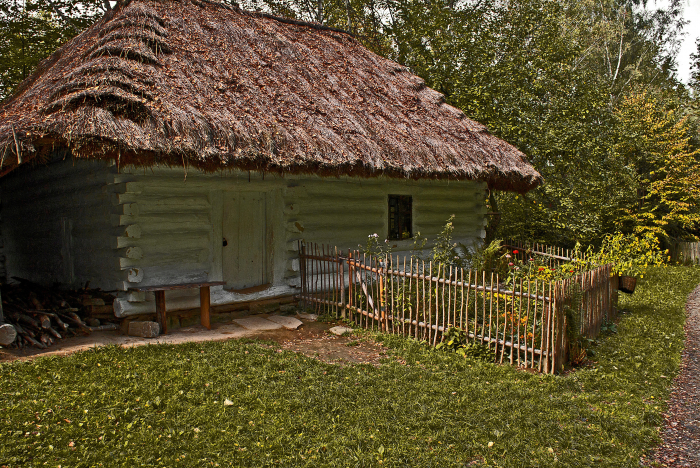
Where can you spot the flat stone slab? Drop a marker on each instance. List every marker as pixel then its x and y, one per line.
pixel 257 323
pixel 144 329
pixel 290 323
pixel 340 330
pixel 305 316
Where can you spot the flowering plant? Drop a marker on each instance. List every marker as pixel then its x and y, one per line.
pixel 630 254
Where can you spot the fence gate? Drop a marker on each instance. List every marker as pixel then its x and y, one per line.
pixel 349 286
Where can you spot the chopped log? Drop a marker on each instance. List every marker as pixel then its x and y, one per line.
pixel 75 320
pixel 34 301
pixel 8 334
pixel 100 312
pixel 61 324
pixel 44 321
pixel 18 317
pixel 46 339
pixel 41 315
pixel 34 342
pixel 54 333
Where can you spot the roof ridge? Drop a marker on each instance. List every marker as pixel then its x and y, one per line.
pixel 260 14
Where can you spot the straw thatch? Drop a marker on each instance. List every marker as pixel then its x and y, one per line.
pixel 197 83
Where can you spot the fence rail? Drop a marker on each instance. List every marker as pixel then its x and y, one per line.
pixel 524 323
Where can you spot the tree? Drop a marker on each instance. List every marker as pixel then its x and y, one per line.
pixel 656 147
pixel 695 68
pixel 30 30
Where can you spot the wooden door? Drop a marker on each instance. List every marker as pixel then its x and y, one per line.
pixel 245 254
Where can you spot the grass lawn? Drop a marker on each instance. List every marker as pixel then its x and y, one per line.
pixel 165 405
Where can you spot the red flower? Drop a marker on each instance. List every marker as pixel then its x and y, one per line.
pixel 510 264
pixel 515 251
pixel 541 268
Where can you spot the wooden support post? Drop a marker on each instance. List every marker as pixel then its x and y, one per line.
pixel 204 303
pixel 160 311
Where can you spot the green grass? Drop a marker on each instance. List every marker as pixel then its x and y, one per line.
pixel 164 405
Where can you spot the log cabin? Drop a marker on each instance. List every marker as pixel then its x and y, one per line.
pixel 180 141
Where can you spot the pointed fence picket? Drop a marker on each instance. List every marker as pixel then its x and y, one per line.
pixel 525 324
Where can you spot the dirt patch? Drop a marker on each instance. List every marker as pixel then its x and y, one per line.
pixel 314 340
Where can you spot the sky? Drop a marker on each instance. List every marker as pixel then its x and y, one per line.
pixel 692 29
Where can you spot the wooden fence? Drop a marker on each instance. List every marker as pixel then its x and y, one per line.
pixel 554 256
pixel 685 252
pixel 524 323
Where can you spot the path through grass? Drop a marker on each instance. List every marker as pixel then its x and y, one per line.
pixel 167 405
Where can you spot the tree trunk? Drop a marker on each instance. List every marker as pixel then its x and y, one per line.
pixel 494 218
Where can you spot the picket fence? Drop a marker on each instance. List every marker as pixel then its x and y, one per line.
pixel 526 323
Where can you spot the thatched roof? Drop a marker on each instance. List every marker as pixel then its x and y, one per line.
pixel 211 86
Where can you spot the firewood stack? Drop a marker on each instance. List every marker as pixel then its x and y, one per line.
pixel 34 315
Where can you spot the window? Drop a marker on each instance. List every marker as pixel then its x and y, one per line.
pixel 400 217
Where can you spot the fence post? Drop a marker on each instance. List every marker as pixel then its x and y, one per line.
pixel 561 340
pixel 381 272
pixel 341 267
pixel 302 270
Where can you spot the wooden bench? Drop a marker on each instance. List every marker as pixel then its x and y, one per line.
pixel 204 300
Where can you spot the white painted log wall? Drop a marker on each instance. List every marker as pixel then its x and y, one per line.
pixel 155 226
pixel 344 211
pixel 180 219
pixel 57 224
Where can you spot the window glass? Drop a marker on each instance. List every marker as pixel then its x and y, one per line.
pixel 400 217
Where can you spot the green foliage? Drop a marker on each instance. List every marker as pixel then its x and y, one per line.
pixel 165 405
pixel 30 30
pixel 663 171
pixel 374 247
pixel 481 257
pixel 631 254
pixel 444 251
pixel 695 68
pixel 455 341
pixel 486 257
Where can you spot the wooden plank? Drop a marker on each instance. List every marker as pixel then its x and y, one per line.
pixel 169 287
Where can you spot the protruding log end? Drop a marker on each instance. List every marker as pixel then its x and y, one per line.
pixel 8 334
